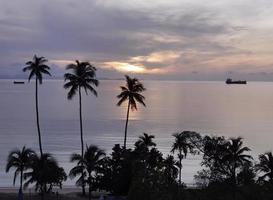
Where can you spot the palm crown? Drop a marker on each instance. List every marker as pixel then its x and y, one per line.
pixel 132 92
pixel 145 140
pixel 37 67
pixel 236 152
pixel 266 166
pixel 182 143
pixel 87 165
pixel 20 160
pixel 83 75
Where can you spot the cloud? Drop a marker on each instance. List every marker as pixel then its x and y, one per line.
pixel 172 38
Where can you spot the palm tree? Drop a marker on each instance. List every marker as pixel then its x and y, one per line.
pixel 83 76
pixel 44 173
pixel 20 160
pixel 169 169
pixel 131 92
pixel 37 68
pixel 145 141
pixel 183 145
pixel 236 157
pixel 90 163
pixel 266 166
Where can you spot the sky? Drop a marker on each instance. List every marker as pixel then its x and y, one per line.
pixel 150 39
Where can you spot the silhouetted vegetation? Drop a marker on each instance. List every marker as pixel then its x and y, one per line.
pixel 143 172
pixel 131 93
pixel 90 164
pixel 37 68
pixel 83 76
pixel 21 161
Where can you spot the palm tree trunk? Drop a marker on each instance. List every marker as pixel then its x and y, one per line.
pixel 234 181
pixel 21 185
pixel 89 194
pixel 180 167
pixel 126 125
pixel 81 131
pixel 37 117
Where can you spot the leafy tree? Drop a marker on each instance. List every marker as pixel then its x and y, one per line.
pixel 83 76
pixel 225 158
pixel 121 170
pixel 37 68
pixel 20 160
pixel 131 92
pixel 214 150
pixel 170 170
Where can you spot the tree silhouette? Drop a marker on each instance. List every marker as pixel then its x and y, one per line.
pixel 20 160
pixel 169 169
pixel 90 163
pixel 236 157
pixel 145 141
pixel 131 92
pixel 83 76
pixel 45 173
pixel 37 68
pixel 183 145
pixel 266 166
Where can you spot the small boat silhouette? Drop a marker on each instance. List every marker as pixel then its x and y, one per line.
pixel 230 81
pixel 18 82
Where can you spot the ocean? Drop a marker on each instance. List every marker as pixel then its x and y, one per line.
pixel 212 108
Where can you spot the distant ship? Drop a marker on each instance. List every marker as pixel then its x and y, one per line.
pixel 18 82
pixel 230 81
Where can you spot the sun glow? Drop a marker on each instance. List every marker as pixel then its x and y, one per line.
pixel 132 68
pixel 126 67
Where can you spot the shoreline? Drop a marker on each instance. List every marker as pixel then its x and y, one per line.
pixel 64 190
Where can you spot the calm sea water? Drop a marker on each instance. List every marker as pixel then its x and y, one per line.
pixel 205 107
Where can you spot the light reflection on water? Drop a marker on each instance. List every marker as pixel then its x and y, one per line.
pixel 205 107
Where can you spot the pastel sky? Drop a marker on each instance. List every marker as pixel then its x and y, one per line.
pixel 153 39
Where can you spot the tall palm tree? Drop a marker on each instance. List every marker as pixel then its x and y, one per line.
pixel 131 92
pixel 20 160
pixel 266 166
pixel 145 141
pixel 91 163
pixel 183 145
pixel 37 68
pixel 83 76
pixel 236 156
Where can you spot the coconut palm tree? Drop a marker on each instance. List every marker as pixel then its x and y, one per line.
pixel 169 169
pixel 145 141
pixel 266 166
pixel 183 146
pixel 37 68
pixel 20 160
pixel 44 174
pixel 131 92
pixel 83 76
pixel 236 156
pixel 90 163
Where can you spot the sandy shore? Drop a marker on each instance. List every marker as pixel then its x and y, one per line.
pixel 69 193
